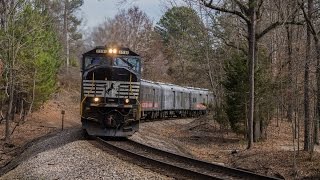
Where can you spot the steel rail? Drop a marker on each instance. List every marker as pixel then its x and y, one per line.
pixel 185 167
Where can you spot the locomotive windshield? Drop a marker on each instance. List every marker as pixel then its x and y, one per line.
pixel 92 61
pixel 129 62
pixel 132 63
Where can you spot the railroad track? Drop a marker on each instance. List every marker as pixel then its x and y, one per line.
pixel 178 166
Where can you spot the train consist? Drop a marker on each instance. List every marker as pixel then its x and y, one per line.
pixel 160 100
pixel 114 97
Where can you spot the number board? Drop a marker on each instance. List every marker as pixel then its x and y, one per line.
pixel 101 51
pixel 105 51
pixel 123 52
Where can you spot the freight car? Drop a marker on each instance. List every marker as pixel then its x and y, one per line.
pixel 114 97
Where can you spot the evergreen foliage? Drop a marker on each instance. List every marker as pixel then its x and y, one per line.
pixel 35 57
pixel 236 86
pixel 42 55
pixel 184 38
pixel 179 22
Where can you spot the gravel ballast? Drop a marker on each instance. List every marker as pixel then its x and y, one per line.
pixel 77 159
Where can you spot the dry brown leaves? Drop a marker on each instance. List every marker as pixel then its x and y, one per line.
pixel 274 156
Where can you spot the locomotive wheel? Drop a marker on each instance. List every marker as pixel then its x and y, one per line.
pixel 160 115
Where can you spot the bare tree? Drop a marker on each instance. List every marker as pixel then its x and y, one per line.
pixel 314 31
pixel 5 19
pixel 133 28
pixel 66 32
pixel 250 13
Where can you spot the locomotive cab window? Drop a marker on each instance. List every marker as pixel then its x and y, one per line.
pixel 128 62
pixel 132 63
pixel 90 61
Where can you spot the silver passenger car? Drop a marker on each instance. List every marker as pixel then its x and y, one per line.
pixel 160 100
pixel 150 99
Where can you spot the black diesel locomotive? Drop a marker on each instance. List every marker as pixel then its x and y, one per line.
pixel 110 92
pixel 114 97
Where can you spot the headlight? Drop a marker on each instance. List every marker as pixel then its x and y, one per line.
pixel 112 51
pixel 96 99
pixel 126 101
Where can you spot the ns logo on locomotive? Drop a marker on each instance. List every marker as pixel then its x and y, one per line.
pixel 114 97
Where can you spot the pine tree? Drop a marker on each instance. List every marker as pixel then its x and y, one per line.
pixel 237 88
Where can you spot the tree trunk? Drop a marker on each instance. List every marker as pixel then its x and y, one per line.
pixel 290 75
pixel 316 122
pixel 9 84
pixel 257 126
pixel 11 92
pixel 9 112
pixel 209 68
pixel 307 123
pixel 33 91
pixel 251 55
pixel 263 128
pixel 294 148
pixel 65 31
pixel 257 130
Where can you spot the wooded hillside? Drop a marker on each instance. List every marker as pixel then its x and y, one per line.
pixel 37 40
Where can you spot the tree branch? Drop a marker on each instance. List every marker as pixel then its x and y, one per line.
pixel 211 6
pixel 232 44
pixel 275 25
pixel 260 5
pixel 309 23
pixel 245 51
pixel 242 7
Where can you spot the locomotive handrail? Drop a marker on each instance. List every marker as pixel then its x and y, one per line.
pixel 139 105
pixel 81 103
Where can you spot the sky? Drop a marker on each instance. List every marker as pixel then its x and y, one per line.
pixel 95 12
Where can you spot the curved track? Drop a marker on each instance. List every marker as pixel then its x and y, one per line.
pixel 179 166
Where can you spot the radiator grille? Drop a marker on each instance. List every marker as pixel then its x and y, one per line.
pixel 111 89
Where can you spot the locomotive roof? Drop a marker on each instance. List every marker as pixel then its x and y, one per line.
pixel 105 50
pixel 168 84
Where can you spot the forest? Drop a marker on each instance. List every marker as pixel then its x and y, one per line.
pixel 38 39
pixel 260 58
